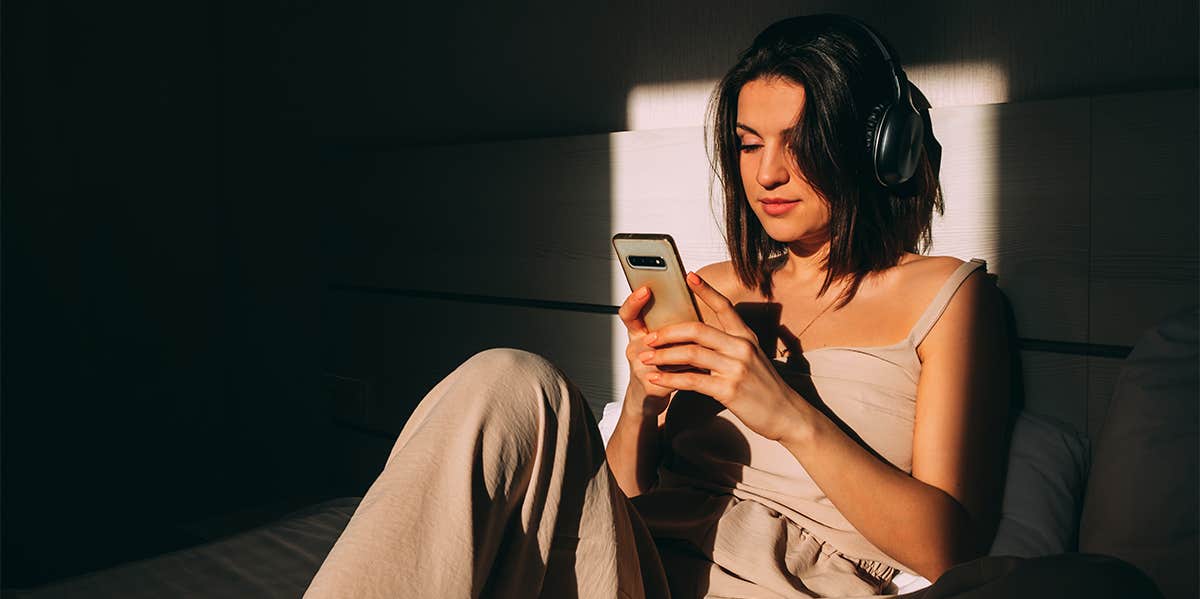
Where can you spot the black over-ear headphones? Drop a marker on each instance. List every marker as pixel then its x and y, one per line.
pixel 894 129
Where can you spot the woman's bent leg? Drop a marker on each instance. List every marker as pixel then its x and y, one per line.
pixel 498 487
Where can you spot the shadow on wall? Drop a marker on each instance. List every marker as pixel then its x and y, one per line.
pixel 432 270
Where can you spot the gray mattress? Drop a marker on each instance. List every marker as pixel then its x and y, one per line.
pixel 273 560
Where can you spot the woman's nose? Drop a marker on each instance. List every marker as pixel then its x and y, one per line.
pixel 772 171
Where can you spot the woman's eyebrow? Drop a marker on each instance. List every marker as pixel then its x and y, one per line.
pixel 741 126
pixel 787 131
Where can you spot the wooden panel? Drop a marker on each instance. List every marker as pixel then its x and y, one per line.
pixel 400 347
pixel 1056 385
pixel 1144 212
pixel 1102 381
pixel 1015 180
pixel 523 219
pixel 537 219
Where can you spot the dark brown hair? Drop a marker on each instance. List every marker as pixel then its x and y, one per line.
pixel 844 76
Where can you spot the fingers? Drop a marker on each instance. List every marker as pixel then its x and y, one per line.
pixel 730 320
pixel 690 381
pixel 691 354
pixel 630 312
pixel 639 370
pixel 702 334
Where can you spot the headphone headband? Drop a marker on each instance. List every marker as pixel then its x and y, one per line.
pixel 885 50
pixel 896 130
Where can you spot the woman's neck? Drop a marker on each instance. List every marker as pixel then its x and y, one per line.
pixel 805 266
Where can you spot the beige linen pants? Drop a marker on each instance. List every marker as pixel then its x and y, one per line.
pixel 497 487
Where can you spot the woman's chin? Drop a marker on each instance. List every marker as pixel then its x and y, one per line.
pixel 792 235
pixel 785 234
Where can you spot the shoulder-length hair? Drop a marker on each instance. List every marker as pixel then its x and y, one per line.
pixel 844 76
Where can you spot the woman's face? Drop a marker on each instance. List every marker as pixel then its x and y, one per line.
pixel 786 205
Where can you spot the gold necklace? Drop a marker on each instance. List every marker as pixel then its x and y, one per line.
pixel 783 352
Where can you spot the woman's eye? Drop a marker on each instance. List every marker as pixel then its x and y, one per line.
pixel 748 147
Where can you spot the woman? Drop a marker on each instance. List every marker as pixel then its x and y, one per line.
pixel 856 434
pixel 811 229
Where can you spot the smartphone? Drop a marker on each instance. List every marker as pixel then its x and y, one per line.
pixel 651 259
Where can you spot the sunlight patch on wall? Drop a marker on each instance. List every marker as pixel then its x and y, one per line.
pixel 971 141
pixel 660 184
pixel 666 105
pixel 683 103
pixel 971 184
pixel 961 83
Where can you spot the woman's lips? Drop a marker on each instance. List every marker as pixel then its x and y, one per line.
pixel 777 207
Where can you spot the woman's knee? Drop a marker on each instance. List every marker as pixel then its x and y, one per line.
pixel 511 362
pixel 519 375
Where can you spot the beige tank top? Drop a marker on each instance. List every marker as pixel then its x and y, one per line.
pixel 871 390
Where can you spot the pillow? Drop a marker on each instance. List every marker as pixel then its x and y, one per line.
pixel 1142 495
pixel 1048 464
pixel 608 421
pixel 1047 470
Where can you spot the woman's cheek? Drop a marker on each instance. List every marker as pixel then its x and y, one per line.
pixel 748 167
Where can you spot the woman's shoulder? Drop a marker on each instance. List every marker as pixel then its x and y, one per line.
pixel 925 275
pixel 976 299
pixel 922 267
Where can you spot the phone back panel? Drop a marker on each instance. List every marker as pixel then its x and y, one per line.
pixel 671 300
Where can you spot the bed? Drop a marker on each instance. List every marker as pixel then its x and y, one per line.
pixel 274 560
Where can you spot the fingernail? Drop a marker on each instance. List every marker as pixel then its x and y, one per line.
pixel 646 355
pixel 643 292
pixel 653 376
pixel 693 278
pixel 651 338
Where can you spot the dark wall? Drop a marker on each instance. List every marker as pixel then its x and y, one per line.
pixel 445 72
pixel 117 415
pixel 161 282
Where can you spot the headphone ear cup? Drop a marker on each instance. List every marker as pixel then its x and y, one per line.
pixel 898 145
pixel 874 119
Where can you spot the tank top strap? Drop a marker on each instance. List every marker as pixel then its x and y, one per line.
pixel 942 299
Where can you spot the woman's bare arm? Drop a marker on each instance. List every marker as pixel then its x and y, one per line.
pixel 633 452
pixel 946 511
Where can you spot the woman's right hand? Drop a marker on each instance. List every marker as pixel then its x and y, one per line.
pixel 647 399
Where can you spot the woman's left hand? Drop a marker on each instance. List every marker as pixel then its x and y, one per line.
pixel 741 377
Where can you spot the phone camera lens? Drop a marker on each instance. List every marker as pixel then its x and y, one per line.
pixel 651 262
